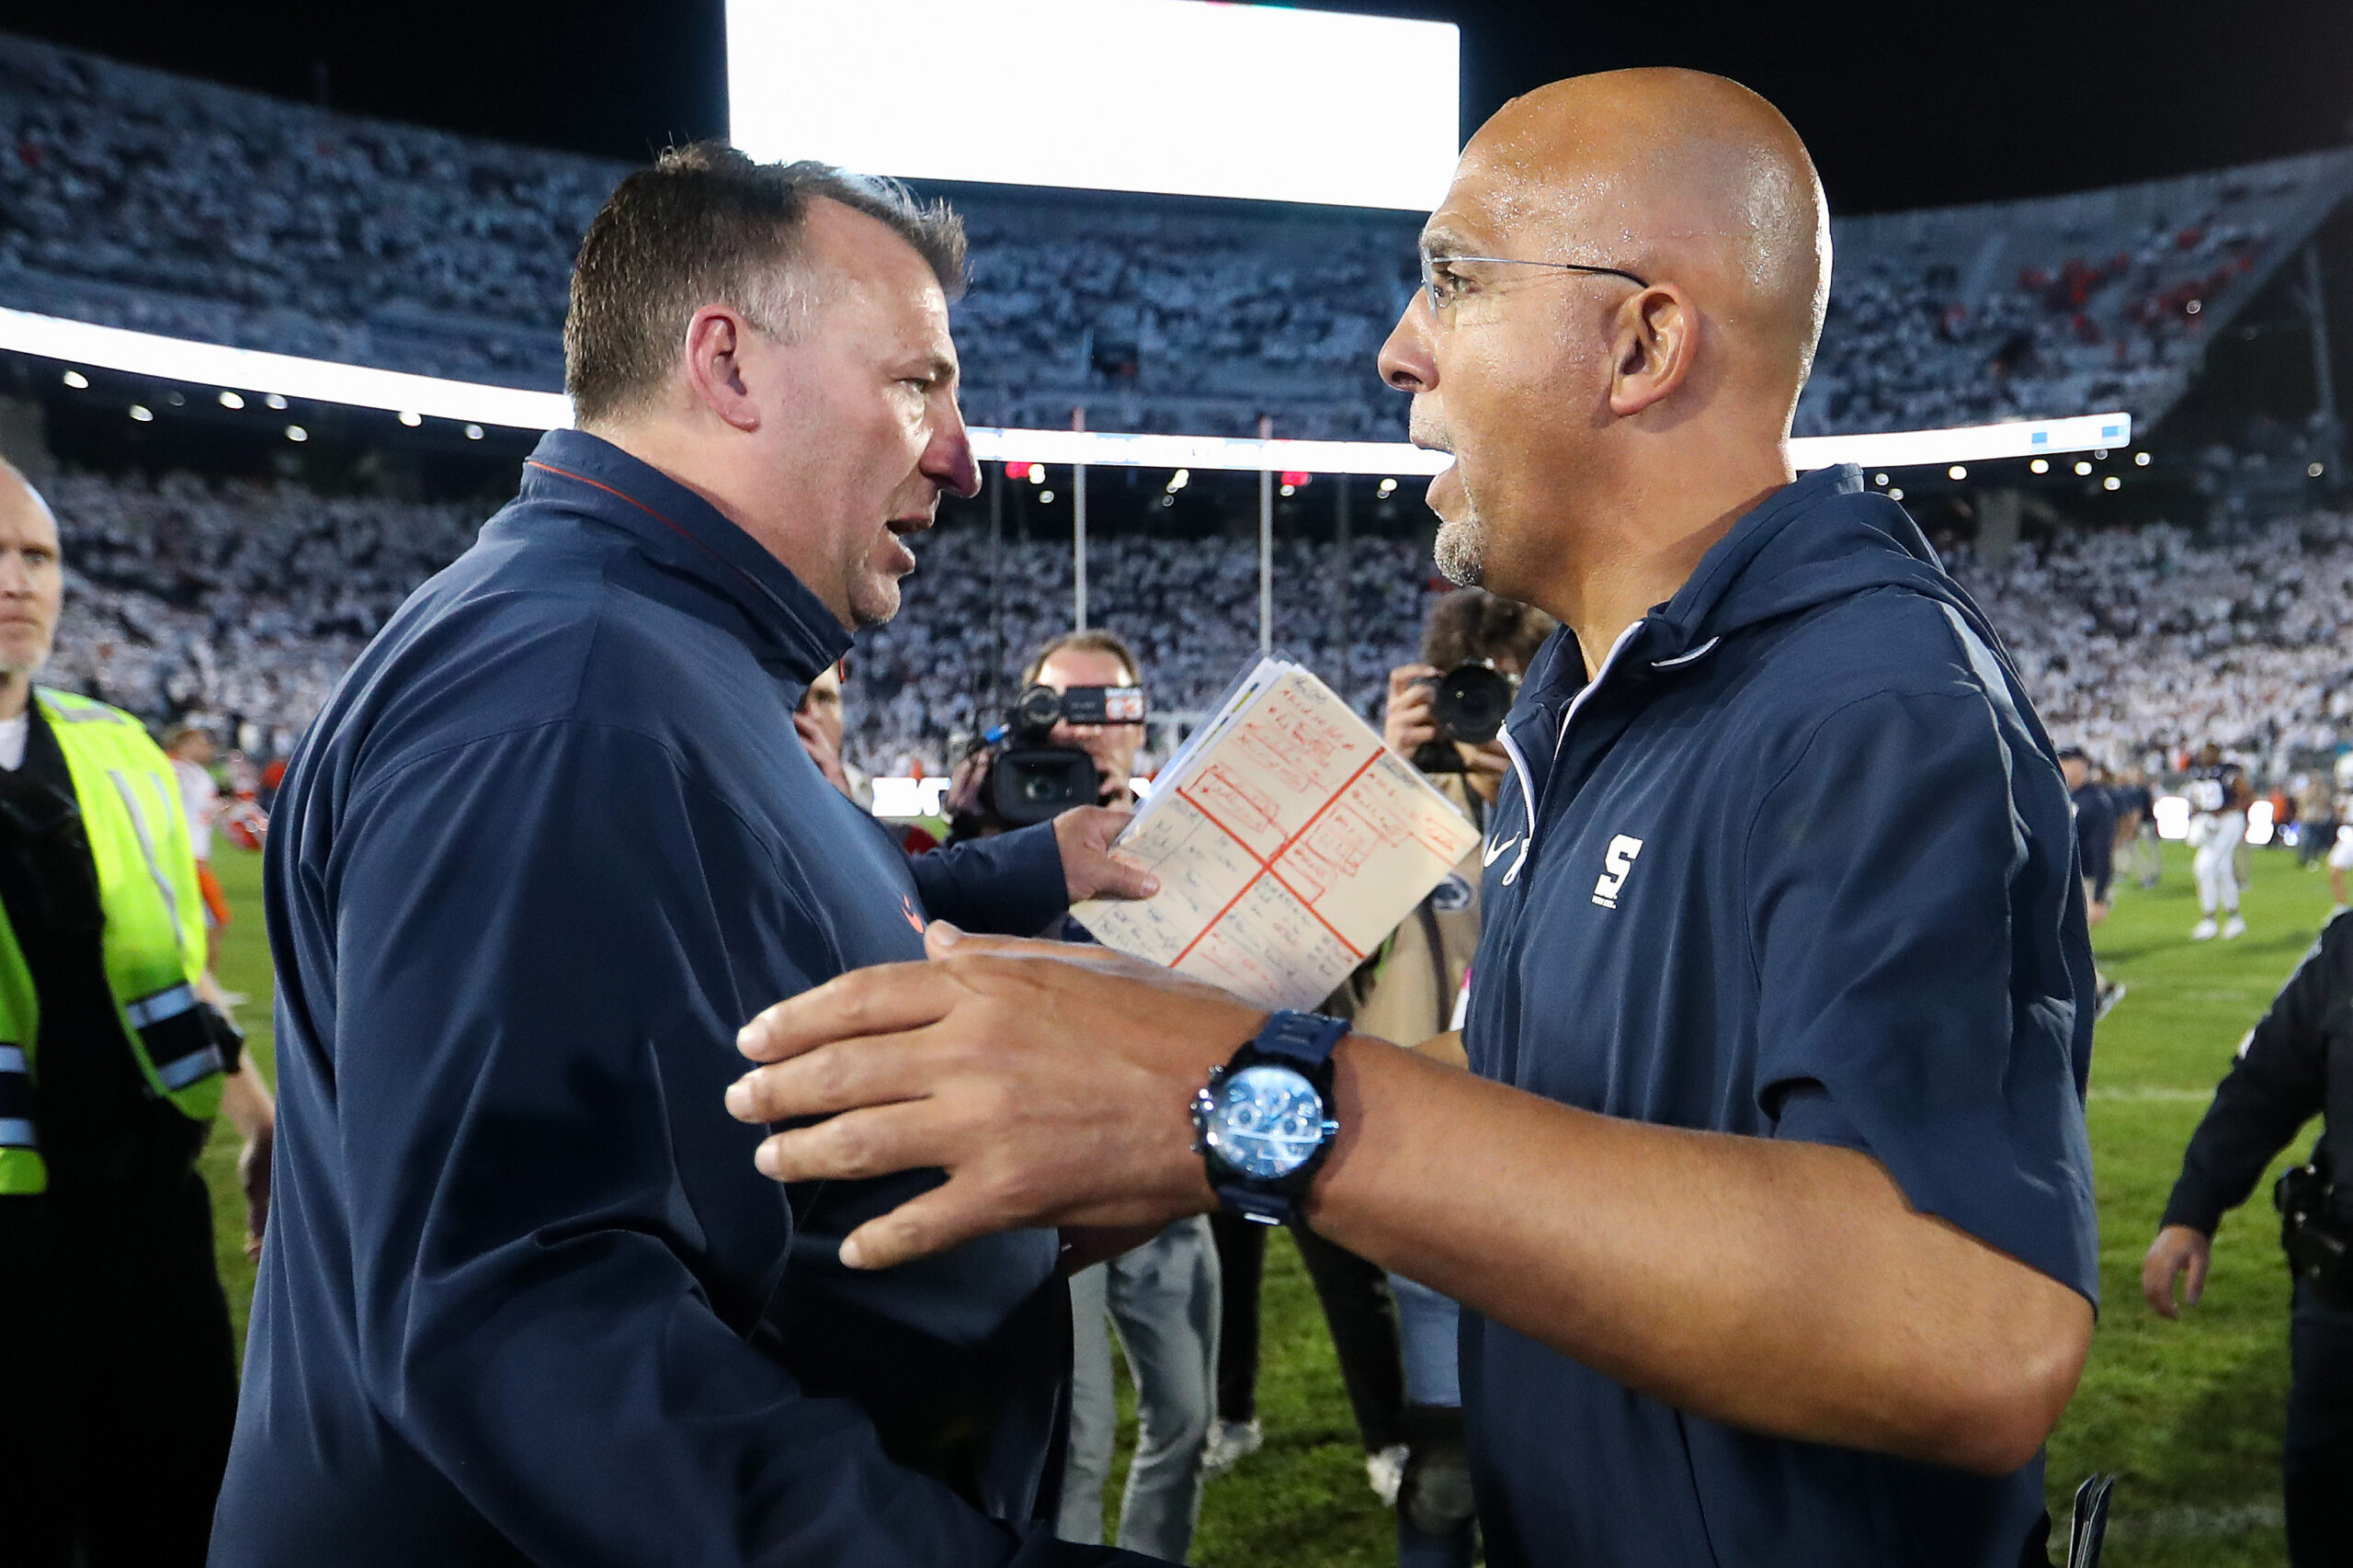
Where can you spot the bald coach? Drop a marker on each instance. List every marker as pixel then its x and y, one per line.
pixel 1769 1195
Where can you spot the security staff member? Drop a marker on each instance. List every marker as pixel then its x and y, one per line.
pixel 2297 1064
pixel 117 1375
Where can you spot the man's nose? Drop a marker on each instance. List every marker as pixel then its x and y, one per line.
pixel 15 577
pixel 948 459
pixel 1405 361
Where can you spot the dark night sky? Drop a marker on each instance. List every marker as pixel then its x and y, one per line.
pixel 1921 103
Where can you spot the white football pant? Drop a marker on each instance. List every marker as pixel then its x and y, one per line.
pixel 2218 838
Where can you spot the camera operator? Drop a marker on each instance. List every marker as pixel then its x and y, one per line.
pixel 1413 990
pixel 1036 762
pixel 2297 1062
pixel 1161 1296
pixel 1077 661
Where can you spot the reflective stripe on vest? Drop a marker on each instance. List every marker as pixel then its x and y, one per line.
pixel 153 939
pixel 16 1100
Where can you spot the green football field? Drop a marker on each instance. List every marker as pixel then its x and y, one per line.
pixel 2188 1415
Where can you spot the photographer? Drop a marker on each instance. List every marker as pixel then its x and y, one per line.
pixel 2294 1065
pixel 1036 763
pixel 1162 1296
pixel 1411 990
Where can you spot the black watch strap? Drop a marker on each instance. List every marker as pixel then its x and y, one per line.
pixel 1303 1041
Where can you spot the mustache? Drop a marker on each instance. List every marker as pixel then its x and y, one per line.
pixel 1426 432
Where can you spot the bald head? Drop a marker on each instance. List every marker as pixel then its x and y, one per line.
pixel 32 587
pixel 1625 284
pixel 1671 174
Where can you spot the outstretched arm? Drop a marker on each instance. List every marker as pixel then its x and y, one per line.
pixel 1904 1265
pixel 1783 1286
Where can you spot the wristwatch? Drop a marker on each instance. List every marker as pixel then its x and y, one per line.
pixel 1263 1122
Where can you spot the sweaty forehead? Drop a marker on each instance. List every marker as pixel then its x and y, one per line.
pixel 1514 192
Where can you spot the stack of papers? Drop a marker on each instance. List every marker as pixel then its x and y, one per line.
pixel 1288 843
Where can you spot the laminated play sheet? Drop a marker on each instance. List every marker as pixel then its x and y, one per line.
pixel 1288 843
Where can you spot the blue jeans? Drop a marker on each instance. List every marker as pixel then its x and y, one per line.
pixel 1162 1299
pixel 1429 1328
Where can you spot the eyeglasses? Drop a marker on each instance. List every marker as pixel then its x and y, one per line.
pixel 1439 284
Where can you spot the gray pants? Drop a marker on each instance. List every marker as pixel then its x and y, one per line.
pixel 1162 1299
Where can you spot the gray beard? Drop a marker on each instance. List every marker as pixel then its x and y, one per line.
pixel 1460 552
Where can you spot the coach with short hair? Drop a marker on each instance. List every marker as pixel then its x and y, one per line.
pixel 551 841
pixel 1769 1204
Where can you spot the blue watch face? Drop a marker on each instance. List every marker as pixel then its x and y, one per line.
pixel 1267 1122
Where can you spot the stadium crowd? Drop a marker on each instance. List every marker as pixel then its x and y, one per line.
pixel 137 198
pixel 2147 641
pixel 245 601
pixel 2097 300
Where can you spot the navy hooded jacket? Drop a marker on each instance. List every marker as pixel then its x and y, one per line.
pixel 1802 866
pixel 524 1298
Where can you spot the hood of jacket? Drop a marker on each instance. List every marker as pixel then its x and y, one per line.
pixel 1820 538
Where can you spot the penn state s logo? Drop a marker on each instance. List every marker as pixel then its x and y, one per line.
pixel 1451 895
pixel 1616 865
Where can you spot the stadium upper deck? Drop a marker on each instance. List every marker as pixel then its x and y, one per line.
pixel 137 198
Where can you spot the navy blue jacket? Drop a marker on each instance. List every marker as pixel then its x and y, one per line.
pixel 1801 867
pixel 525 1298
pixel 2096 835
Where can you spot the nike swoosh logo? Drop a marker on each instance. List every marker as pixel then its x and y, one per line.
pixel 1488 856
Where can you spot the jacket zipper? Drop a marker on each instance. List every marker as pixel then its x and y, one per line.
pixel 1527 794
pixel 1520 761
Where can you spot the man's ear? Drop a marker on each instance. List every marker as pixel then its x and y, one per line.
pixel 715 338
pixel 1657 339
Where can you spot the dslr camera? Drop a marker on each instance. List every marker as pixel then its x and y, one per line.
pixel 1468 702
pixel 1031 778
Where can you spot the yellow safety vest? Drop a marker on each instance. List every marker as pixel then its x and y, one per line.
pixel 153 939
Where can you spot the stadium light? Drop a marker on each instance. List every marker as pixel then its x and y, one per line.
pixel 2172 814
pixel 230 400
pixel 474 403
pixel 1310 105
pixel 278 375
pixel 2040 465
pixel 142 412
